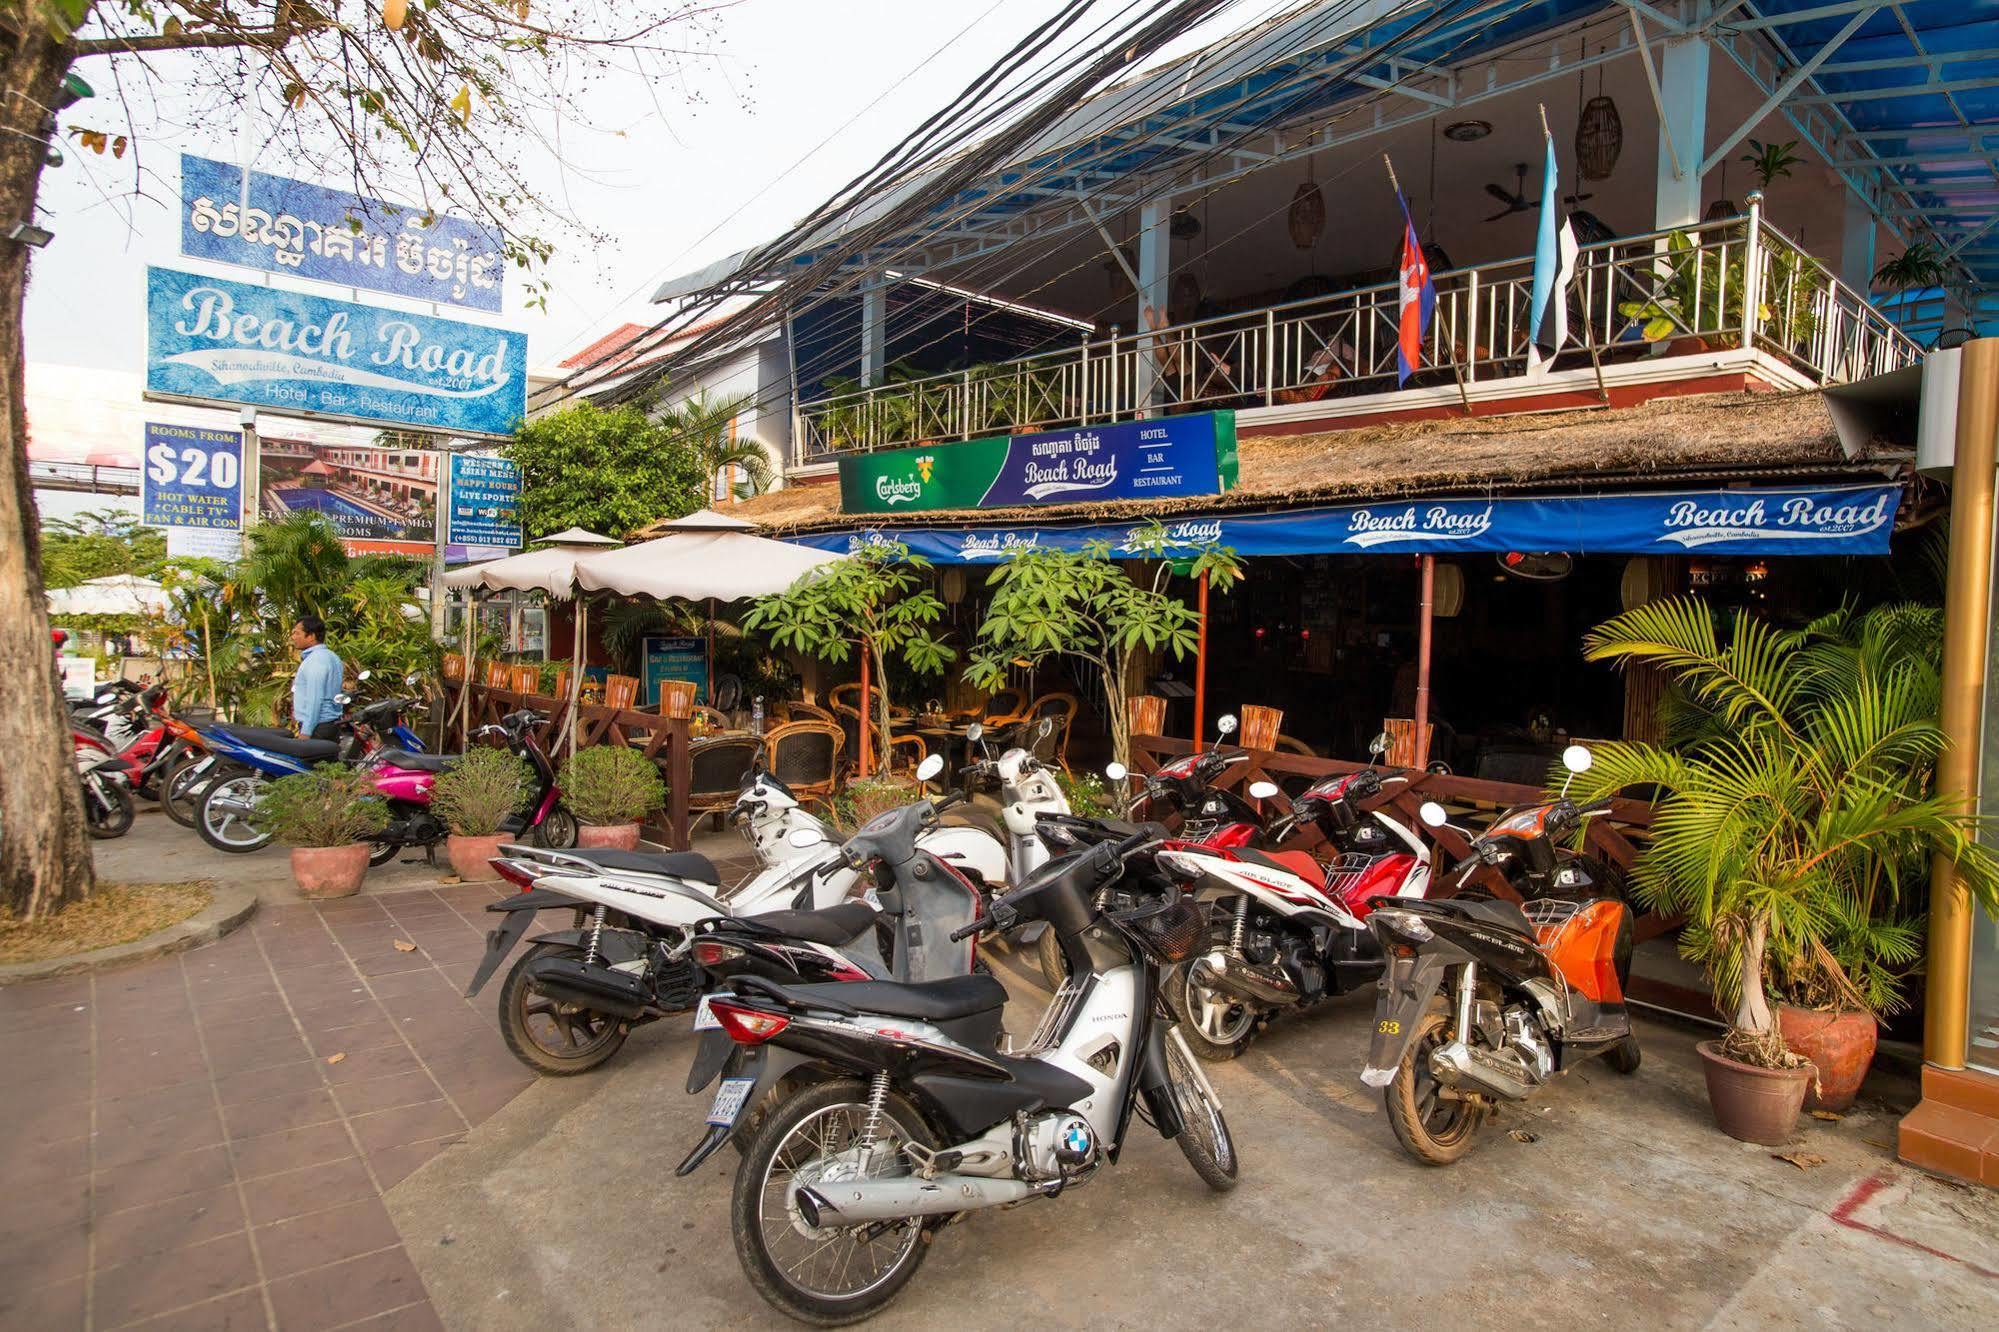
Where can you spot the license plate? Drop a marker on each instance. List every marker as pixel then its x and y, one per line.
pixel 704 1020
pixel 729 1098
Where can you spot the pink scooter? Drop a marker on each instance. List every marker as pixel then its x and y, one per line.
pixel 404 778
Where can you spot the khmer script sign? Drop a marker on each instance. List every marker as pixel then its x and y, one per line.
pixel 214 341
pixel 297 229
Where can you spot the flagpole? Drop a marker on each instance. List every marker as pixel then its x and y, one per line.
pixel 1589 336
pixel 1457 371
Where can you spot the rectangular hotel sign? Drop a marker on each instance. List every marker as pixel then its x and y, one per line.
pixel 209 340
pixel 1155 459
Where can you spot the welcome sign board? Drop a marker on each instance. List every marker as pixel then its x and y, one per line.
pixel 1155 459
pixel 1849 520
pixel 213 341
pixel 289 227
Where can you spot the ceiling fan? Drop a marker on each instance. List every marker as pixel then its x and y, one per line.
pixel 1516 199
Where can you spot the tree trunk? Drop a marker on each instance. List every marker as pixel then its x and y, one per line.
pixel 44 853
pixel 1116 689
pixel 1752 1010
pixel 883 735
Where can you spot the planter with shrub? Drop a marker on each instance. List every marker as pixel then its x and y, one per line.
pixel 611 788
pixel 325 816
pixel 473 799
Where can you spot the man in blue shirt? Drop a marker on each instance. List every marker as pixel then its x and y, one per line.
pixel 318 680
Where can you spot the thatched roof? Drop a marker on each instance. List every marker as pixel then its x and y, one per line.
pixel 1666 440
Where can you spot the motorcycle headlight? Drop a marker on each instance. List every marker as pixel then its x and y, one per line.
pixel 1407 924
pixel 1056 835
pixel 1181 865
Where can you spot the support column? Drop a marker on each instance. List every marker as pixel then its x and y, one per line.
pixel 1856 247
pixel 1683 90
pixel 1201 665
pixel 1155 250
pixel 1424 613
pixel 874 325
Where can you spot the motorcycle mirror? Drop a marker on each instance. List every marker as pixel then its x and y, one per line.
pixel 974 733
pixel 1262 790
pixel 1379 745
pixel 343 699
pixel 1577 758
pixel 410 679
pixel 804 837
pixel 1432 814
pixel 1046 729
pixel 364 675
pixel 1116 771
pixel 1226 723
pixel 930 767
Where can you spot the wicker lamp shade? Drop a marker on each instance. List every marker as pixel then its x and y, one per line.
pixel 1307 217
pixel 1599 138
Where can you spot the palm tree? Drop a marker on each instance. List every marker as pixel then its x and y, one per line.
pixel 707 425
pixel 1795 823
pixel 296 565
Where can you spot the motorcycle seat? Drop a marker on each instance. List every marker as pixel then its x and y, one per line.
pixel 928 1001
pixel 1291 862
pixel 415 762
pixel 281 742
pixel 676 864
pixel 1490 911
pixel 836 924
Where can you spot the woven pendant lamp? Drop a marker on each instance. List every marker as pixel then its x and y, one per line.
pixel 1307 215
pixel 1599 138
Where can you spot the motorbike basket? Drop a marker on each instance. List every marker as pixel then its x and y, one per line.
pixel 1171 931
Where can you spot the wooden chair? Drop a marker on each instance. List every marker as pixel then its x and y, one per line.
pixel 499 675
pixel 1146 714
pixel 621 691
pixel 454 665
pixel 1260 726
pixel 1291 744
pixel 562 679
pixel 805 756
pixel 526 678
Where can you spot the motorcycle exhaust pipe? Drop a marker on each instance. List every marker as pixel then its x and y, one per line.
pixel 859 1202
pixel 1459 1065
pixel 568 981
pixel 1267 985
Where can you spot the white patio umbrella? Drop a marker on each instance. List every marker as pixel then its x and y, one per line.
pixel 551 570
pixel 118 594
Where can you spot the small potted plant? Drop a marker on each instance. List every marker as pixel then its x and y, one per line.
pixel 474 798
pixel 325 815
pixel 611 788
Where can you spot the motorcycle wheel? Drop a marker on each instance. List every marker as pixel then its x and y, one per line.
pixel 542 1035
pixel 827 1275
pixel 1624 1056
pixel 109 815
pixel 180 791
pixel 1054 966
pixel 1204 1140
pixel 558 831
pixel 1430 1128
pixel 1216 1026
pixel 382 854
pixel 224 822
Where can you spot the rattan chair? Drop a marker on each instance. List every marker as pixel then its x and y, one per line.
pixel 1002 708
pixel 805 756
pixel 801 711
pixel 715 772
pixel 1061 708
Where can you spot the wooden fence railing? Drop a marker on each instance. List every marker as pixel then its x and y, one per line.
pixel 664 740
pixel 1614 837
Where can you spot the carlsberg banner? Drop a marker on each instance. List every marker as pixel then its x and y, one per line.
pixel 214 341
pixel 1175 455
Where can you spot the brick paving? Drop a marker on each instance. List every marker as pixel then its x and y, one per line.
pixel 180 1151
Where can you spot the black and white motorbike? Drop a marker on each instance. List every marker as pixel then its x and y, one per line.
pixel 902 1111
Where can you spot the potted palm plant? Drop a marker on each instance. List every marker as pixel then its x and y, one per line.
pixel 611 788
pixel 325 815
pixel 1793 798
pixel 474 798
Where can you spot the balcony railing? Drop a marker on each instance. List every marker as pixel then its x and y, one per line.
pixel 1677 290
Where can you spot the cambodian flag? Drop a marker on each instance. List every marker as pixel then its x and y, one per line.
pixel 1418 299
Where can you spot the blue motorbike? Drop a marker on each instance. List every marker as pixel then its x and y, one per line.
pixel 242 760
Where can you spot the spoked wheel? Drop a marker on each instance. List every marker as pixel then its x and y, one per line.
pixel 228 813
pixel 1218 1026
pixel 107 809
pixel 558 831
pixel 829 1275
pixel 180 791
pixel 1204 1136
pixel 1433 1128
pixel 550 1037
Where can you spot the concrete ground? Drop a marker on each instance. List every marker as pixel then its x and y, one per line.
pixel 181 1152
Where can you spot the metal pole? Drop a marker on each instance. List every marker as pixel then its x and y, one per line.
pixel 1752 276
pixel 1966 634
pixel 867 712
pixel 1201 664
pixel 576 670
pixel 1423 621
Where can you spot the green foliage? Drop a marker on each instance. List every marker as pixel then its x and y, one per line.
pixel 295 566
pixel 1089 796
pixel 328 805
pixel 1700 291
pixel 1050 602
pixel 874 595
pixel 481 789
pixel 703 423
pixel 1771 160
pixel 864 797
pixel 1795 819
pixel 612 784
pixel 98 544
pixel 1921 265
pixel 609 470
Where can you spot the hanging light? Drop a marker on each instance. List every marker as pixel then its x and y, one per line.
pixel 1467 131
pixel 1599 138
pixel 954 584
pixel 1183 225
pixel 1307 217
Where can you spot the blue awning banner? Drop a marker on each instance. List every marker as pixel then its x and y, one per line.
pixel 1842 520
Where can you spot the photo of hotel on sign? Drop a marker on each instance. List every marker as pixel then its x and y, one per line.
pixel 371 493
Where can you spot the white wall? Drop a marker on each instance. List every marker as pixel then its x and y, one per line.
pixel 761 374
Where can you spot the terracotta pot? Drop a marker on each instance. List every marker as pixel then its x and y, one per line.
pixel 1841 1044
pixel 330 871
pixel 470 856
pixel 1753 1104
pixel 623 836
pixel 1687 346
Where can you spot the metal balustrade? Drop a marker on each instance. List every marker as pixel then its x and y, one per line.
pixel 1631 298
